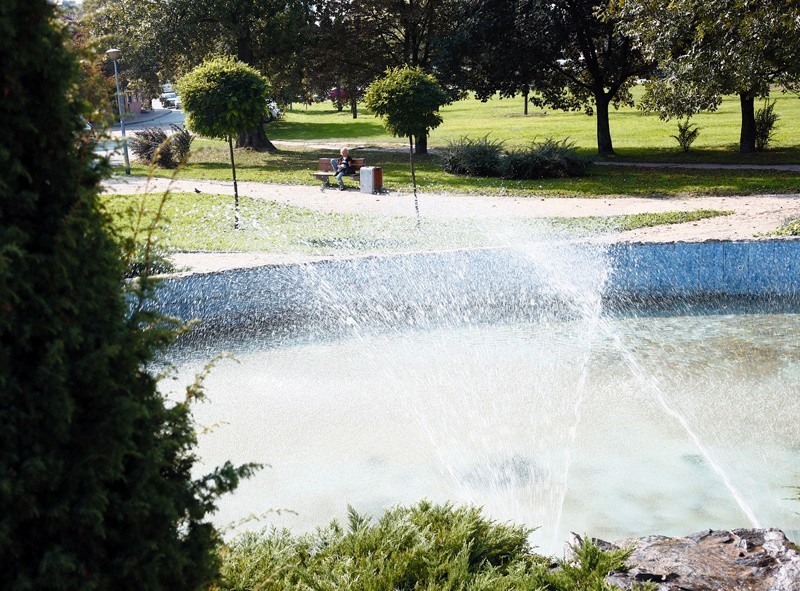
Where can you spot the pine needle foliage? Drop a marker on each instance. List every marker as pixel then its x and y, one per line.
pixel 96 484
pixel 473 157
pixel 152 145
pixel 423 547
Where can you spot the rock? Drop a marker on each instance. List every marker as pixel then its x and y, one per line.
pixel 737 560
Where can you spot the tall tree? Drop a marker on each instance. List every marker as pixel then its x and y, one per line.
pixel 348 65
pixel 597 64
pixel 566 50
pixel 265 34
pixel 96 486
pixel 497 48
pixel 398 33
pixel 709 48
pixel 122 25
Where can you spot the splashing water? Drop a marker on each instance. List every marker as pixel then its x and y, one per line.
pixel 513 392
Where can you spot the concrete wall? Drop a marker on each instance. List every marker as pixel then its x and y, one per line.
pixel 755 269
pixel 484 285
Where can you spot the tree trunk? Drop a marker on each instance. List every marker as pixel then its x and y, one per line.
pixel 747 135
pixel 421 142
pixel 235 188
pixel 525 99
pixel 413 176
pixel 256 139
pixel 604 145
pixel 354 106
pixel 339 105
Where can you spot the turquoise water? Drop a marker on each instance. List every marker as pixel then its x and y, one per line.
pixel 559 425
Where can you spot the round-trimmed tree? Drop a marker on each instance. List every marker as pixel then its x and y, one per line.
pixel 408 101
pixel 222 98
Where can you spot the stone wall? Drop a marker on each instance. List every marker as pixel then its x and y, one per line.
pixel 486 284
pixel 737 560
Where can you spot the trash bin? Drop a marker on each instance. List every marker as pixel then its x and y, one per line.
pixel 371 180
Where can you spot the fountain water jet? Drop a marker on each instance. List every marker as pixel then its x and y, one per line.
pixel 490 379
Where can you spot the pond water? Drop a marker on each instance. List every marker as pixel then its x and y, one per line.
pixel 612 425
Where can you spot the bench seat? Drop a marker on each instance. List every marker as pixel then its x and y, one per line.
pixel 326 172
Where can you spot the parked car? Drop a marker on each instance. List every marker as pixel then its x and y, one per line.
pixel 177 101
pixel 168 100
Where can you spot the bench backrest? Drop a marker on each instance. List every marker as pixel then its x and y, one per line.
pixel 325 164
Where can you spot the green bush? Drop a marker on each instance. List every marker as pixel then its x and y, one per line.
pixel 152 145
pixel 686 134
pixel 426 546
pixel 548 159
pixel 98 483
pixel 470 157
pixel 766 118
pixel 482 157
pixel 181 142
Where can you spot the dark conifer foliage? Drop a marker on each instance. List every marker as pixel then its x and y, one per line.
pixel 95 483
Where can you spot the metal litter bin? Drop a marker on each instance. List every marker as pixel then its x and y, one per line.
pixel 371 179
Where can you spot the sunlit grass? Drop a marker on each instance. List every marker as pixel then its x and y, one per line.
pixel 205 222
pixel 636 136
pixel 210 161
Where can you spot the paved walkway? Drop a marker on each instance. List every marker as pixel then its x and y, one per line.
pixel 752 215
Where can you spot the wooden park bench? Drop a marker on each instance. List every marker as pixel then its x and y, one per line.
pixel 326 173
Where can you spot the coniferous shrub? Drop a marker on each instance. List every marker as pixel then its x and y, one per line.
pixel 425 546
pixel 181 142
pixel 482 157
pixel 96 485
pixel 152 145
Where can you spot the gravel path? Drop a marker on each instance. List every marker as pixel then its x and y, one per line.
pixel 752 215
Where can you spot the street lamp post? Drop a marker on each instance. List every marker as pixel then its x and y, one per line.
pixel 115 54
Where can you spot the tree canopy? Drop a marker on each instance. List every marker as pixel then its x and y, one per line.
pixel 570 52
pixel 708 48
pixel 223 97
pixel 408 101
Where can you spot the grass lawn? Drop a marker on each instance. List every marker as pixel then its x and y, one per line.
pixel 205 223
pixel 636 136
pixel 210 160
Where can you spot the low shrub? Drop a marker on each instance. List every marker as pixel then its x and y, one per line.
pixel 766 118
pixel 548 159
pixel 153 146
pixel 181 142
pixel 470 157
pixel 426 546
pixel 790 227
pixel 686 134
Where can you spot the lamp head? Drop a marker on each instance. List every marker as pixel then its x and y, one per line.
pixel 114 54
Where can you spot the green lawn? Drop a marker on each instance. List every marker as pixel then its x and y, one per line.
pixel 210 160
pixel 636 136
pixel 205 223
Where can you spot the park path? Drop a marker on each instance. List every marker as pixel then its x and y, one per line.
pixel 753 215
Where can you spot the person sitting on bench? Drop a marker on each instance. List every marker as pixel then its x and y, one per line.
pixel 342 166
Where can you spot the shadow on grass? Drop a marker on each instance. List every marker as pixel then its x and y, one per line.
pixel 728 154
